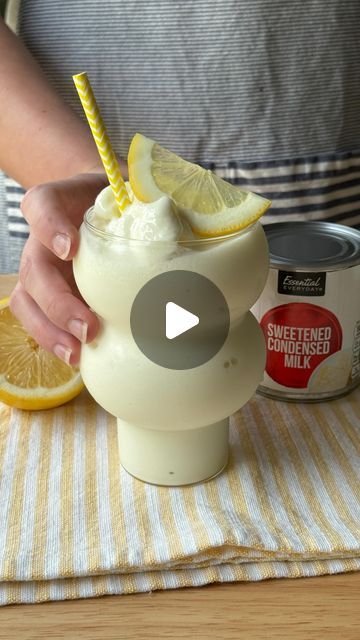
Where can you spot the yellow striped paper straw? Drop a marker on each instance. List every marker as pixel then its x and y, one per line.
pixel 102 140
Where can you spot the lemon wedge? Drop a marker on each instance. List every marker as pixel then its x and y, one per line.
pixel 212 206
pixel 31 378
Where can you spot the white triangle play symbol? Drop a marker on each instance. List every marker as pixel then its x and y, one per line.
pixel 178 320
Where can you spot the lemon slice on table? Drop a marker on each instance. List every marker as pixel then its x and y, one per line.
pixel 31 378
pixel 212 206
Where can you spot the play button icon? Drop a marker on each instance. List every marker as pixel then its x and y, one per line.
pixel 179 319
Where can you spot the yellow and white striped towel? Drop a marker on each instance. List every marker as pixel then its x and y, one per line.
pixel 73 524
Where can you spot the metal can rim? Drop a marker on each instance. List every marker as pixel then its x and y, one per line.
pixel 348 240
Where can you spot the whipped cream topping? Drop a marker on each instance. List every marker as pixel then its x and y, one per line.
pixel 158 220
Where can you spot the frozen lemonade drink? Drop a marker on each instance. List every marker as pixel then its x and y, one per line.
pixel 182 221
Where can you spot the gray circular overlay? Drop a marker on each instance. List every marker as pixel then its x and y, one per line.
pixel 192 292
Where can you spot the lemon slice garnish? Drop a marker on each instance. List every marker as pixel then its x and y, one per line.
pixel 31 378
pixel 212 206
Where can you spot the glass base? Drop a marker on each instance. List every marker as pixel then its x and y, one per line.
pixel 174 458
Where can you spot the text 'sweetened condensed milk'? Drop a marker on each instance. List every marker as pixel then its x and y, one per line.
pixel 309 311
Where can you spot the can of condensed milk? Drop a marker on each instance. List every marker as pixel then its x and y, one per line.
pixel 309 311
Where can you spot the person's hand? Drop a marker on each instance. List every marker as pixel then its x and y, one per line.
pixel 46 299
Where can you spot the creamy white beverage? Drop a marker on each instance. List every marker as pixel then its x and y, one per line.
pixel 173 424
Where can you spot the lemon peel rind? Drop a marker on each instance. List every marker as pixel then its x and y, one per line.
pixel 141 167
pixel 215 228
pixel 45 398
pixel 41 397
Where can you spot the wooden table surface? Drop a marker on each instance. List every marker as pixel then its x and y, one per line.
pixel 321 608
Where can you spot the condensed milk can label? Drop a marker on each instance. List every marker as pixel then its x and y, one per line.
pixel 310 320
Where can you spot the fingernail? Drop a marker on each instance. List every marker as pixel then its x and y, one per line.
pixel 79 329
pixel 62 352
pixel 61 245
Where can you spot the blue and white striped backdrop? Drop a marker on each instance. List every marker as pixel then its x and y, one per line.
pixel 265 93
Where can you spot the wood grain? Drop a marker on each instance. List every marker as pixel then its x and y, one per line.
pixel 324 608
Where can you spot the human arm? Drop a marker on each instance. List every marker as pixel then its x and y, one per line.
pixel 43 142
